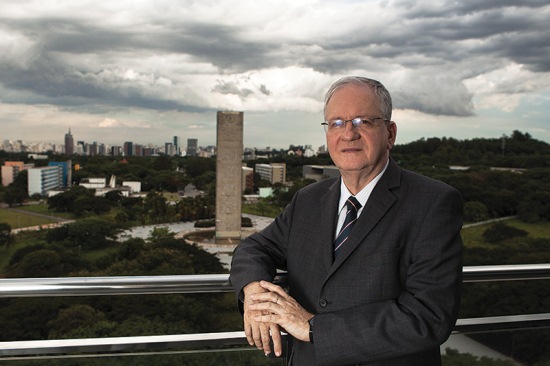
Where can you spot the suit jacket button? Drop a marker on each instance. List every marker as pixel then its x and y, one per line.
pixel 323 303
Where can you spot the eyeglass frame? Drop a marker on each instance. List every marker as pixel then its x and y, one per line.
pixel 356 122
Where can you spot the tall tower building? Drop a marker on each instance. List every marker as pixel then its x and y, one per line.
pixel 128 148
pixel 192 147
pixel 168 149
pixel 229 138
pixel 177 150
pixel 69 144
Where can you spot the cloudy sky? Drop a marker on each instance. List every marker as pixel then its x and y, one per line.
pixel 145 71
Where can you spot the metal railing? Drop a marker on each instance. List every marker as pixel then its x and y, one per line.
pixel 215 283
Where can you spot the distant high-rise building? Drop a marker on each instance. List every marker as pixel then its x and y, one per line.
pixel 81 147
pixel 94 150
pixel 69 144
pixel 192 147
pixel 138 150
pixel 168 149
pixel 128 149
pixel 177 149
pixel 116 150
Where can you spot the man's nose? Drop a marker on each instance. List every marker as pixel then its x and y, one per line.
pixel 350 131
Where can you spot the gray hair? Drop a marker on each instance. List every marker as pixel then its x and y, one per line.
pixel 380 91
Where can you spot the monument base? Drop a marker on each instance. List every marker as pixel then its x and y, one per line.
pixel 227 237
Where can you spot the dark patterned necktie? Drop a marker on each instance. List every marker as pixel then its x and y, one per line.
pixel 352 207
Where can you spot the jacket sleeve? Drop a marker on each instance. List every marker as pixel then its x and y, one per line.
pixel 260 255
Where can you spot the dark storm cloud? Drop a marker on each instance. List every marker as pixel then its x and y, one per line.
pixel 222 46
pixel 429 9
pixel 443 37
pixel 484 22
pixel 51 77
pixel 231 88
pixel 439 45
pixel 52 81
pixel 434 94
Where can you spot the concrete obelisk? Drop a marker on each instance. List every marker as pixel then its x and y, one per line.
pixel 229 144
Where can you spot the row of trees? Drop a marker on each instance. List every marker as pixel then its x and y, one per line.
pixel 487 193
pixel 154 208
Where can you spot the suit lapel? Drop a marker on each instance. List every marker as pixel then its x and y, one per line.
pixel 327 226
pixel 379 202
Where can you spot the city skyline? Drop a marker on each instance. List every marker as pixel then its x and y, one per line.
pixel 190 142
pixel 112 71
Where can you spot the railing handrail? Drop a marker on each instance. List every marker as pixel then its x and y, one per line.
pixel 506 272
pixel 120 344
pixel 128 285
pixel 129 345
pixel 120 285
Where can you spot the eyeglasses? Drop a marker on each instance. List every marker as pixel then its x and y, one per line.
pixel 339 125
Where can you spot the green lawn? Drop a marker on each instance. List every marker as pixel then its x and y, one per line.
pixel 473 236
pixel 19 220
pixel 539 230
pixel 262 209
pixel 43 209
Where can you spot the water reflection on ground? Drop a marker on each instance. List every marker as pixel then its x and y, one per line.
pixel 181 229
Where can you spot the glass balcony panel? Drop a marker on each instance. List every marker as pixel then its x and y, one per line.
pixel 207 357
pixel 506 348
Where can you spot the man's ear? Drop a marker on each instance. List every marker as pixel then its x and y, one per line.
pixel 392 134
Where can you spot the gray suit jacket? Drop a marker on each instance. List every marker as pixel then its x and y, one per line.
pixel 392 295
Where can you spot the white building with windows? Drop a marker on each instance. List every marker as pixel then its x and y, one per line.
pixel 44 179
pixel 274 172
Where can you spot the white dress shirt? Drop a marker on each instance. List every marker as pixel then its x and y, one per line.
pixel 362 197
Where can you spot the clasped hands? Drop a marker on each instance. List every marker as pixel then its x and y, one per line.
pixel 268 309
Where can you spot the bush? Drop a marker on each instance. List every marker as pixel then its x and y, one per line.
pixel 475 211
pixel 205 223
pixel 246 222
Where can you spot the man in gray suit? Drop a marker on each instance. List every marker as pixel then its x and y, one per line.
pixel 372 281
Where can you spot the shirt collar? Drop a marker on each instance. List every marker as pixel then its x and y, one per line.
pixel 363 195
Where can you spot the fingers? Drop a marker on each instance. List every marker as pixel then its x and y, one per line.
pixel 257 333
pixel 264 333
pixel 274 289
pixel 252 331
pixel 277 340
pixel 260 333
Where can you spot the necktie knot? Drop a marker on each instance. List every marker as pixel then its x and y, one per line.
pixel 352 207
pixel 353 204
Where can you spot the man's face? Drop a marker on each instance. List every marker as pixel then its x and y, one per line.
pixel 355 149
